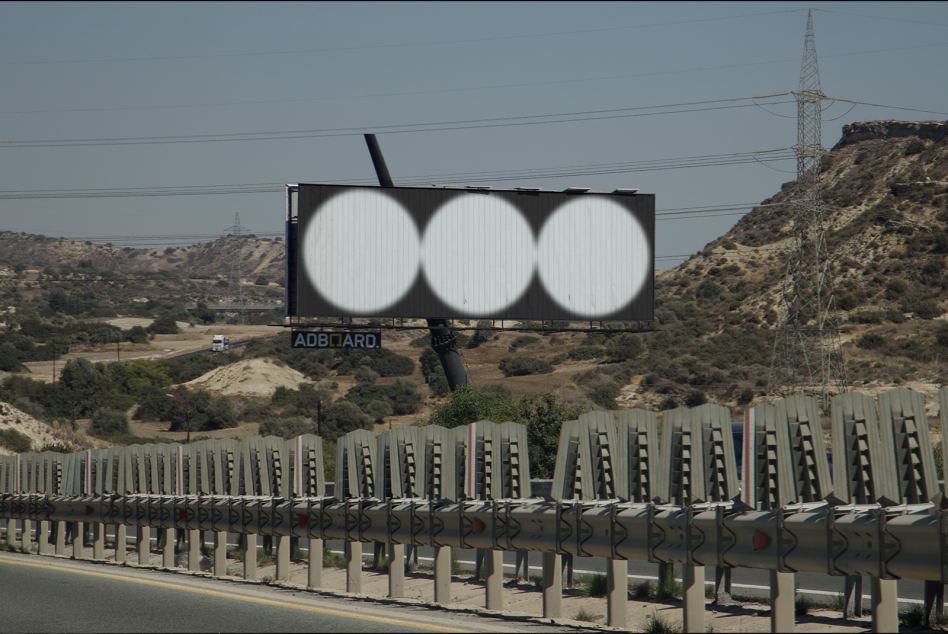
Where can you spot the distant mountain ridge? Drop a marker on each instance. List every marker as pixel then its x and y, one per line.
pixel 259 256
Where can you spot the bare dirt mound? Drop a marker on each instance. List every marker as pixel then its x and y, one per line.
pixel 39 433
pixel 252 377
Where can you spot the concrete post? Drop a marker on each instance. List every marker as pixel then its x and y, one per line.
pixel 722 586
pixel 250 558
pixel 26 537
pixel 552 586
pixel 782 603
pixel 494 564
pixel 77 546
pixel 693 578
pixel 617 592
pixel 121 542
pixel 98 541
pixel 167 552
pixel 11 532
pixel 43 538
pixel 934 602
pixel 315 563
pixel 283 558
pixel 852 596
pixel 194 550
pixel 220 554
pixel 353 567
pixel 396 571
pixel 61 539
pixel 442 575
pixel 144 545
pixel 885 605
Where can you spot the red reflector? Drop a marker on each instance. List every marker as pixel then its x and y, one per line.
pixel 302 519
pixel 180 514
pixel 760 540
pixel 478 526
pixel 16 508
pixel 89 510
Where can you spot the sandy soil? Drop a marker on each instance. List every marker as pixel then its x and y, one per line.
pixel 256 377
pixel 40 433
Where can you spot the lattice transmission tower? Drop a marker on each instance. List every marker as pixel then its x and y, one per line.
pixel 807 351
pixel 235 288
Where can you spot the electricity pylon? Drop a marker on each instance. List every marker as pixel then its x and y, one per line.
pixel 807 350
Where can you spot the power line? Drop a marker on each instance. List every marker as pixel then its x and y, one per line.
pixel 879 17
pixel 470 124
pixel 388 46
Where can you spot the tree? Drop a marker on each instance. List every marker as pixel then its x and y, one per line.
pixel 164 325
pixel 107 422
pixel 341 417
pixel 468 404
pixel 544 419
pixel 378 410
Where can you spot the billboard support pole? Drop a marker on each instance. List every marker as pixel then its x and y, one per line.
pixel 442 339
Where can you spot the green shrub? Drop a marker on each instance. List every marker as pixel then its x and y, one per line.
pixel 625 346
pixel 585 615
pixel 746 396
pixel 520 366
pixel 871 341
pixel 696 398
pixel 164 325
pixel 802 605
pixel 659 624
pixel 605 395
pixel 106 422
pixel 584 353
pixel 915 146
pixel 286 427
pixel 642 589
pixel 522 341
pixel 560 358
pixel 669 402
pixel 57 447
pixel 15 441
pixel 927 309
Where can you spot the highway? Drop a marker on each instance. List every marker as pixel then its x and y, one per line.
pixel 42 594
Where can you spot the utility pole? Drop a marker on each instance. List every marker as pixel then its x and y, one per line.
pixel 236 290
pixel 442 338
pixel 807 349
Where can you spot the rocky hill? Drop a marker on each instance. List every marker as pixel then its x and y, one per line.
pixel 886 195
pixel 260 256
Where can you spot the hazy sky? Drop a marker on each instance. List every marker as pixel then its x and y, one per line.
pixel 324 73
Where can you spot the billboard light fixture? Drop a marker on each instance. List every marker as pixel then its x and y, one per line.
pixel 576 190
pixel 528 189
pixel 627 191
pixel 443 185
pixel 478 187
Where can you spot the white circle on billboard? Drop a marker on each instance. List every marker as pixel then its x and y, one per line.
pixel 593 256
pixel 361 250
pixel 479 254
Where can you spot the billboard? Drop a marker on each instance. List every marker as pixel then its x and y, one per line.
pixel 476 253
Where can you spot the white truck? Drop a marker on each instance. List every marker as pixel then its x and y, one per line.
pixel 220 343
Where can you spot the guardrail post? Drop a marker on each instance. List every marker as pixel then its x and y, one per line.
pixel 782 604
pixel 283 557
pixel 26 537
pixel 61 539
pixel 885 605
pixel 43 537
pixel 194 550
pixel 11 532
pixel 617 592
pixel 442 575
pixel 250 557
pixel 852 596
pixel 494 564
pixel 167 552
pixel 315 562
pixel 220 555
pixel 144 545
pixel 934 601
pixel 396 570
pixel 693 596
pixel 98 541
pixel 353 566
pixel 121 542
pixel 552 586
pixel 77 538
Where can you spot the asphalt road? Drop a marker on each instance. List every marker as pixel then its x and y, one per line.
pixel 70 597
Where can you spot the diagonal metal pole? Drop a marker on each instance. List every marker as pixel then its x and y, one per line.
pixel 442 339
